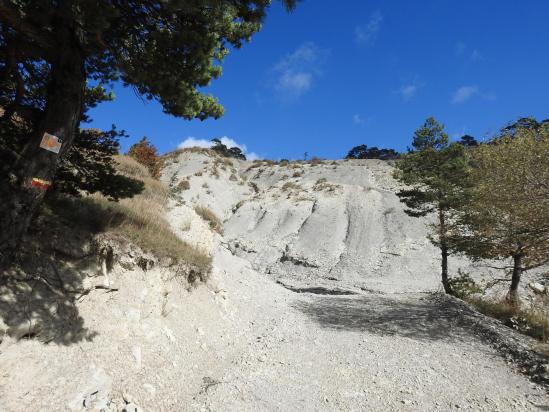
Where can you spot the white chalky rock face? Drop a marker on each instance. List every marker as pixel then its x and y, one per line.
pixel 299 313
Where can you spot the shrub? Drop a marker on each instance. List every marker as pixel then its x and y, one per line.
pixel 90 167
pixel 316 161
pixel 290 186
pixel 145 153
pixel 184 185
pixel 210 217
pixel 225 151
pixel 298 174
pixel 463 285
pixel 233 177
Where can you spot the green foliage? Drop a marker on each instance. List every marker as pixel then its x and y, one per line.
pixel 437 178
pixel 167 50
pixel 89 167
pixel 464 285
pixel 524 123
pixel 430 135
pixel 468 141
pixel 225 151
pixel 363 152
pixel 508 214
pixel 146 154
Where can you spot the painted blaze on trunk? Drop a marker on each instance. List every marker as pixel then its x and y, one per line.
pixel 36 167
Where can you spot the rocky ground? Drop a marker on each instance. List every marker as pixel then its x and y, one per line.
pixel 323 297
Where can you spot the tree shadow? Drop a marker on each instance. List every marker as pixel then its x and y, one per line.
pixel 40 288
pixel 420 318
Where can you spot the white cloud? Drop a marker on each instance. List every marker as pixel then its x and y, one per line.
pixel 227 141
pixel 296 83
pixel 358 119
pixel 295 74
pixel 464 93
pixel 368 34
pixel 408 91
pixel 193 142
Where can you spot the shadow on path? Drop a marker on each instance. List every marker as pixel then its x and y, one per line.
pixel 414 316
pixel 40 288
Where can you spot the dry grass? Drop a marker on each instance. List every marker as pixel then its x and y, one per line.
pixel 131 168
pixel 316 161
pixel 322 184
pixel 299 173
pixel 140 219
pixel 215 222
pixel 532 320
pixel 225 161
pixel 286 187
pixel 200 150
pixel 184 185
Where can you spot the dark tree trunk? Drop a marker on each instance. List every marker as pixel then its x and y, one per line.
pixel 444 267
pixel 512 296
pixel 21 200
pixel 444 253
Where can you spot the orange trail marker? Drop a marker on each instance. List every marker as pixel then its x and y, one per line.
pixel 51 143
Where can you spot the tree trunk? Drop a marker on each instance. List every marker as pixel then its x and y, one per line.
pixel 444 267
pixel 444 252
pixel 20 198
pixel 512 296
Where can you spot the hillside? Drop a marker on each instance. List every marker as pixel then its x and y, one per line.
pixel 320 297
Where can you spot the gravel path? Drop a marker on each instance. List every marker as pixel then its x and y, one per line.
pixel 368 351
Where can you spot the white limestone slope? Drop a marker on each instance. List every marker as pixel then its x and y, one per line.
pixel 350 227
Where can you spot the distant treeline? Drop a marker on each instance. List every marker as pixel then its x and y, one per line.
pixel 364 152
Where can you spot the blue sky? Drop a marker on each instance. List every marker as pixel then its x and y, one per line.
pixel 333 75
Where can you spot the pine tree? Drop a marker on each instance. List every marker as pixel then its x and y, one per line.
pixel 166 50
pixel 436 174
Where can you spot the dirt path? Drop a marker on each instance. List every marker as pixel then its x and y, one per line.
pixel 368 351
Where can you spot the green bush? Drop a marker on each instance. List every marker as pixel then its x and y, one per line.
pixel 464 285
